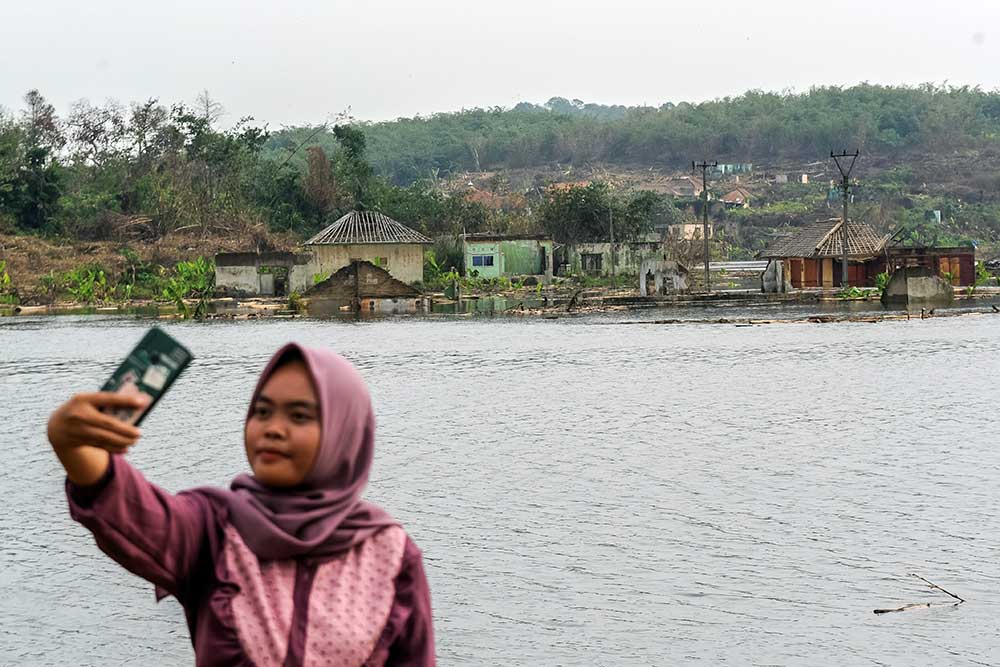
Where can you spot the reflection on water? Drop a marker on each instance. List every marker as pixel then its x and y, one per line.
pixel 585 492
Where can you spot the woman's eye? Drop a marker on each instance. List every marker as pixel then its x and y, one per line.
pixel 301 417
pixel 260 412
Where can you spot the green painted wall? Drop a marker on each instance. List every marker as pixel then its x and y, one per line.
pixel 491 248
pixel 522 258
pixel 512 257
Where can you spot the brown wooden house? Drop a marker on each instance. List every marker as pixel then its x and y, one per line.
pixel 812 256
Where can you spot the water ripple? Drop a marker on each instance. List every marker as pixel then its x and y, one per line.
pixel 585 493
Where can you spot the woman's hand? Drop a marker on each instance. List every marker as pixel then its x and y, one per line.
pixel 83 436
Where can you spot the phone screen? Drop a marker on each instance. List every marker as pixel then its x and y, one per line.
pixel 150 368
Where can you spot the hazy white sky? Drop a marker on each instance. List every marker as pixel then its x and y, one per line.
pixel 304 61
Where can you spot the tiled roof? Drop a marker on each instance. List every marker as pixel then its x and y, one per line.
pixel 737 196
pixel 364 227
pixel 823 239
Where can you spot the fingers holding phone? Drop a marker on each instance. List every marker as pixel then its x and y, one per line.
pixel 87 420
pixel 86 428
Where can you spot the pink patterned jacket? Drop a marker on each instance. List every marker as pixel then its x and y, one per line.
pixel 368 607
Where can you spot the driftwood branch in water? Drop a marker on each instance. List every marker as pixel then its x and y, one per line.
pixel 917 605
pixel 933 585
pixel 924 605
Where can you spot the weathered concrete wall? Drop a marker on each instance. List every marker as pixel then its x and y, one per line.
pixel 629 257
pixel 691 231
pixel 254 274
pixel 237 280
pixel 300 278
pixel 917 285
pixel 405 261
pixel 659 277
pixel 774 279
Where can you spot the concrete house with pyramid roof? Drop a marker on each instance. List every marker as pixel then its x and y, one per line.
pixel 372 237
pixel 359 236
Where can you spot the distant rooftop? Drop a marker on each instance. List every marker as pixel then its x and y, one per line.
pixel 367 227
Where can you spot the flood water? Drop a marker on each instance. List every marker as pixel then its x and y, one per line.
pixel 585 492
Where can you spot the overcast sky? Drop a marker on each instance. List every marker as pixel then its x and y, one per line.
pixel 304 61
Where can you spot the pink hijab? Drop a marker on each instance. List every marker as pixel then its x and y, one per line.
pixel 324 515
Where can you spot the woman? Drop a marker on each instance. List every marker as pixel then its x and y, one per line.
pixel 289 567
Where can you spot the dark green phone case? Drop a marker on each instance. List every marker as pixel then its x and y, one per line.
pixel 152 366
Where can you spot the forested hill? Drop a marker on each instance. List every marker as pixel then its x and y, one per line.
pixel 889 122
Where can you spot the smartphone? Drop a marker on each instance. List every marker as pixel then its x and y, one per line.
pixel 150 369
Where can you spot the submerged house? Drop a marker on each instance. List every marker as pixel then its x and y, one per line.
pixel 595 259
pixel 244 274
pixel 956 265
pixel 373 237
pixel 363 287
pixel 358 236
pixel 495 255
pixel 812 257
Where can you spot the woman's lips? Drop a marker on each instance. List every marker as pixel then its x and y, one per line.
pixel 270 455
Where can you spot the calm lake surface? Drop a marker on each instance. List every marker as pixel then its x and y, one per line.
pixel 585 492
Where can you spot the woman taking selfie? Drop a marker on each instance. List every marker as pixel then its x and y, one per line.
pixel 289 566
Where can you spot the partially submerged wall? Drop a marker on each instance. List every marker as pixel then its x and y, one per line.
pixel 774 279
pixel 917 285
pixel 405 261
pixel 362 280
pixel 244 274
pixel 628 256
pixel 660 277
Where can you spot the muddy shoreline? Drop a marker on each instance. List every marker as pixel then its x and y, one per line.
pixel 548 305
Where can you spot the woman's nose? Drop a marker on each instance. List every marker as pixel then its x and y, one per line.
pixel 276 428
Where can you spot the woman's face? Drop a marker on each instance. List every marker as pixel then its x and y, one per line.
pixel 283 432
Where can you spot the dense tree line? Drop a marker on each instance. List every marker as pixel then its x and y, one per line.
pixel 103 170
pixel 109 171
pixel 754 127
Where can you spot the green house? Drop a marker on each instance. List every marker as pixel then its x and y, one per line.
pixel 495 255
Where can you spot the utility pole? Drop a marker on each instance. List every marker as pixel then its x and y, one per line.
pixel 845 185
pixel 611 224
pixel 704 165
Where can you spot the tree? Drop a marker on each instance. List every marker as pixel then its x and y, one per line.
pixel 10 163
pixel 36 190
pixel 208 109
pixel 30 178
pixel 149 131
pixel 97 134
pixel 353 169
pixel 42 126
pixel 585 214
pixel 319 186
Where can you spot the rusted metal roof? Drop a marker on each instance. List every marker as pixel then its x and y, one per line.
pixel 823 239
pixel 367 227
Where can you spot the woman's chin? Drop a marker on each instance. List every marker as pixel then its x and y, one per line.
pixel 275 476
